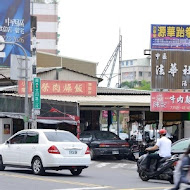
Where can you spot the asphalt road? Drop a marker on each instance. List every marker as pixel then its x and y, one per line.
pixel 102 174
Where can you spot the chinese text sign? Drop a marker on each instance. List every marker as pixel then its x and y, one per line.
pixel 170 69
pixel 53 87
pixel 14 28
pixel 37 91
pixel 170 101
pixel 170 37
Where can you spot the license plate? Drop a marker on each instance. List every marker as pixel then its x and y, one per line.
pixel 115 152
pixel 72 152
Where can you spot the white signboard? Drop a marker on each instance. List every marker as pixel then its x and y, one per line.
pixel 18 65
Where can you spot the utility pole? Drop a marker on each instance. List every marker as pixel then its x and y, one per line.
pixel 26 110
pixel 120 60
pixel 35 112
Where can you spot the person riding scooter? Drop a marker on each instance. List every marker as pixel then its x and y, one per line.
pixel 163 145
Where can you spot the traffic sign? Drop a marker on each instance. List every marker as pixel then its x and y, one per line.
pixel 37 93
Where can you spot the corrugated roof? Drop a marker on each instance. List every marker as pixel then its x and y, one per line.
pixel 121 91
pixel 101 100
pixel 9 88
pixel 105 100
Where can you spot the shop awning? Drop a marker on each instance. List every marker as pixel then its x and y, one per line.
pixel 105 100
pixel 53 121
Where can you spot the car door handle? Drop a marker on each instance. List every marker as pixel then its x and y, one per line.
pixel 18 148
pixel 33 147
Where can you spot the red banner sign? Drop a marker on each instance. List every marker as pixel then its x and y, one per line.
pixel 54 87
pixel 170 101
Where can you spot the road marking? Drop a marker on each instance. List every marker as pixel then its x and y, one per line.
pixel 102 165
pixel 146 188
pixel 85 188
pixel 53 180
pixel 119 166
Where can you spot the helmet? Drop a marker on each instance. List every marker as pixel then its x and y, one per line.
pixel 162 131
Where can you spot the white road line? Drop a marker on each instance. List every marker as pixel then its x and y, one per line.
pixel 119 166
pixel 85 188
pixel 102 165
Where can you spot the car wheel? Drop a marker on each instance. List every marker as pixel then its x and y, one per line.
pixel 92 155
pixel 37 166
pixel 2 167
pixel 76 171
pixel 143 176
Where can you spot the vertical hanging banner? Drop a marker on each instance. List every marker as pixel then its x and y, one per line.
pixel 37 93
pixel 14 28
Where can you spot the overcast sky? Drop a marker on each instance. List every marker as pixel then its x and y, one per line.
pixel 89 29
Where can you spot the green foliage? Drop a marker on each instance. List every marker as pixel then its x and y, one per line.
pixel 143 85
pixel 131 84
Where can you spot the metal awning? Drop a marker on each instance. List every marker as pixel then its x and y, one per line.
pixel 104 100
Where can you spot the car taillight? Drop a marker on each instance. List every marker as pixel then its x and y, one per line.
pixel 104 145
pixel 125 145
pixel 87 151
pixel 53 150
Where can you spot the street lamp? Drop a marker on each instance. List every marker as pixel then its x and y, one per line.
pixel 26 110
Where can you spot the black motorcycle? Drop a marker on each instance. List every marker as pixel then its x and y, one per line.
pixel 164 170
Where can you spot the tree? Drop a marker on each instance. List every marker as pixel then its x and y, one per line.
pixel 143 85
pixel 130 84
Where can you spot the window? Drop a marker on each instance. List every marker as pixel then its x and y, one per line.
pixel 86 136
pixel 103 135
pixel 149 74
pixel 18 139
pixel 31 138
pixel 140 73
pixel 60 137
pixel 181 146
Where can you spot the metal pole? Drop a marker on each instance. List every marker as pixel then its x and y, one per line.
pixel 26 82
pixel 33 49
pixel 118 122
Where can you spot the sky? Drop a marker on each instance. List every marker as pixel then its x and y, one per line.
pixel 89 29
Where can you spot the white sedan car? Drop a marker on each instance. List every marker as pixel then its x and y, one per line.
pixel 44 149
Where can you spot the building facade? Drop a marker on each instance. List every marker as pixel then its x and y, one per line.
pixel 136 70
pixel 46 12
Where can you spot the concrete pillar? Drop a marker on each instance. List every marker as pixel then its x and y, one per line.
pixel 160 120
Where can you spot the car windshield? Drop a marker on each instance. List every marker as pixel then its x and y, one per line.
pixel 60 137
pixel 103 135
pixel 181 146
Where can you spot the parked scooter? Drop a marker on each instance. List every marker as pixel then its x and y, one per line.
pixel 164 170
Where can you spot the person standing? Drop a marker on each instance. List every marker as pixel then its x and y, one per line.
pixel 163 145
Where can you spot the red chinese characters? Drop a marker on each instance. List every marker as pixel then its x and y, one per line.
pixel 76 88
pixel 170 101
